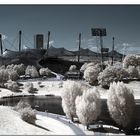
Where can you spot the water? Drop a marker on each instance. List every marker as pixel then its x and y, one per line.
pixel 50 104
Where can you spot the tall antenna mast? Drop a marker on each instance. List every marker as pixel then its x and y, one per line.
pixel 48 45
pixel 1 44
pixel 79 47
pixel 20 40
pixel 112 51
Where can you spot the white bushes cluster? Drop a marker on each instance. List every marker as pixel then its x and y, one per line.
pixel 88 106
pixel 32 71
pixel 91 73
pixel 12 85
pixel 121 104
pixel 71 90
pixel 110 74
pixel 44 71
pixel 20 68
pixel 131 60
pixel 72 68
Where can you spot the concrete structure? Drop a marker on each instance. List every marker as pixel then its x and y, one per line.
pixel 39 41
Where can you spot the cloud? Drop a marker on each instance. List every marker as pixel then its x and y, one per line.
pixel 128 48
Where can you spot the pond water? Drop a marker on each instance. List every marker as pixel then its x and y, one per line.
pixel 50 104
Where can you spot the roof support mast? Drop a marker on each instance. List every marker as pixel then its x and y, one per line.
pixel 20 40
pixel 1 44
pixel 79 47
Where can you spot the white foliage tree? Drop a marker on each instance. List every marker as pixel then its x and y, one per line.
pixel 72 68
pixel 12 85
pixel 32 71
pixel 121 104
pixel 131 60
pixel 91 73
pixel 110 74
pixel 13 75
pixel 70 91
pixel 133 72
pixel 87 65
pixel 44 71
pixel 88 106
pixel 4 77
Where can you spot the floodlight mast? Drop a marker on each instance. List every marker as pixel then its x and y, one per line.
pixel 20 32
pixel 112 51
pixel 99 32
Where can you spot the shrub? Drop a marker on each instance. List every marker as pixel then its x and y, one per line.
pixel 13 75
pixel 4 77
pixel 22 104
pixel 12 85
pixel 25 111
pixel 131 60
pixel 88 106
pixel 91 73
pixel 121 104
pixel 72 68
pixel 86 65
pixel 32 71
pixel 30 88
pixel 71 90
pixel 110 74
pixel 44 71
pixel 28 115
pixel 133 72
pixel 20 69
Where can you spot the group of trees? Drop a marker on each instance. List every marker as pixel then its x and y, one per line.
pixel 130 68
pixel 84 102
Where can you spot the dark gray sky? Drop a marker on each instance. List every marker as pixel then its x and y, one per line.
pixel 65 23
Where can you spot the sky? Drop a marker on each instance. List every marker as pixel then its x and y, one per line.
pixel 66 22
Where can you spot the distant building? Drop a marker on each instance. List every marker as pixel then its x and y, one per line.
pixel 39 41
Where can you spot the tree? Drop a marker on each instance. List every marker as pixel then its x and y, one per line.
pixel 32 71
pixel 121 104
pixel 91 73
pixel 86 65
pixel 72 68
pixel 4 77
pixel 110 74
pixel 131 60
pixel 44 71
pixel 133 72
pixel 13 75
pixel 71 90
pixel 88 106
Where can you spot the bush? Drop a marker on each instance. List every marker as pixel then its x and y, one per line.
pixel 71 90
pixel 86 65
pixel 88 106
pixel 21 105
pixel 4 77
pixel 13 75
pixel 121 104
pixel 91 73
pixel 72 68
pixel 30 88
pixel 28 115
pixel 131 60
pixel 20 69
pixel 32 71
pixel 133 72
pixel 12 85
pixel 110 74
pixel 26 112
pixel 44 71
